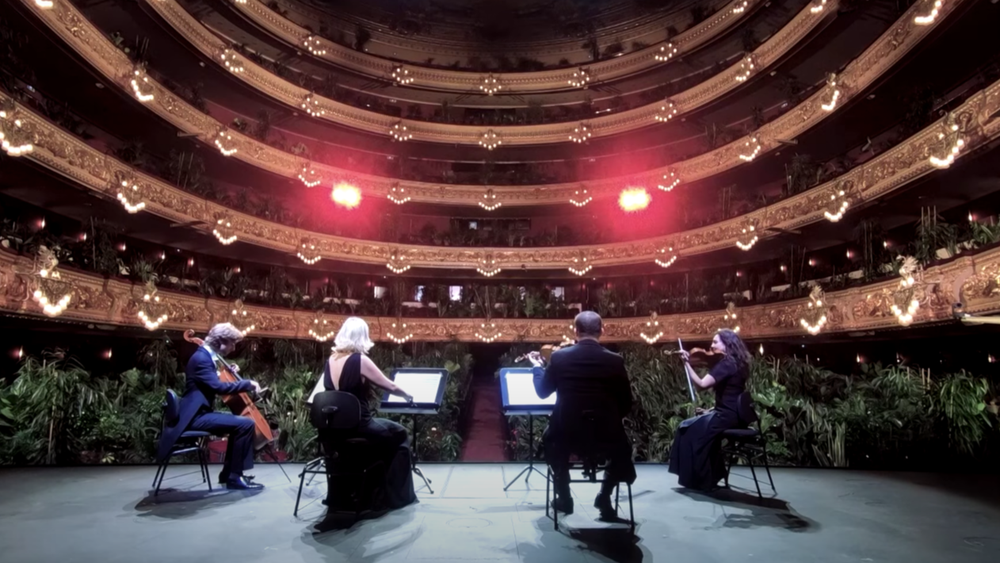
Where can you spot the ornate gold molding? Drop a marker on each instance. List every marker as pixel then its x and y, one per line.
pixel 88 41
pixel 293 95
pixel 71 157
pixel 98 300
pixel 469 81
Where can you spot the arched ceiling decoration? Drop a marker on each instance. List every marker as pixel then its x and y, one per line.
pixel 519 82
pixel 89 42
pixel 255 76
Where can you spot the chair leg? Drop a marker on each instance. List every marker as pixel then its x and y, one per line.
pixel 156 477
pixel 727 463
pixel 548 485
pixel 203 460
pixel 618 489
pixel 631 511
pixel 767 467
pixel 298 497
pixel 754 473
pixel 163 473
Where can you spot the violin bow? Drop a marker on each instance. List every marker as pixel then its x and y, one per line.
pixel 694 401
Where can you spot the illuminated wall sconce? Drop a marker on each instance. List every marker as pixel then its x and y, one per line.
pixel 152 311
pixel 904 299
pixel 223 229
pixel 397 194
pixel 51 308
pixel 580 78
pixel 129 193
pixel 321 329
pixel 491 85
pixel 141 87
pixel 815 315
pixel 581 197
pixel 397 262
pixel 652 332
pixel 580 265
pixel 950 143
pixel 309 251
pixel 313 105
pixel 581 133
pixel 45 4
pixel 930 16
pixel 399 132
pixel 14 137
pixel 839 202
pixel 314 45
pixel 489 201
pixel 730 319
pixel 232 62
pixel 665 257
pixel 634 199
pixel 751 148
pixel 745 68
pixel 667 111
pixel 309 177
pixel 741 7
pixel 832 94
pixel 224 142
pixel 666 52
pixel 488 266
pixel 817 6
pixel 490 140
pixel 670 180
pixel 401 76
pixel 240 317
pixel 488 332
pixel 748 236
pixel 397 332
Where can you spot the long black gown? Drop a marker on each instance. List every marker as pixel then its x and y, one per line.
pixel 696 457
pixel 388 438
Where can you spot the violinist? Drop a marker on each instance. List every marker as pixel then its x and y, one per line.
pixel 696 456
pixel 197 413
pixel 585 377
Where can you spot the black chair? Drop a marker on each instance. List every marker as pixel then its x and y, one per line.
pixel 591 442
pixel 748 443
pixel 336 416
pixel 189 441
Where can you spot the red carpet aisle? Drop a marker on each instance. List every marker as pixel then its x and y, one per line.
pixel 484 440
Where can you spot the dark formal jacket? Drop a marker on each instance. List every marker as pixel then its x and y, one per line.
pixel 201 386
pixel 585 374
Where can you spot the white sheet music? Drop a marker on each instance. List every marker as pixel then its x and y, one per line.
pixel 521 390
pixel 423 387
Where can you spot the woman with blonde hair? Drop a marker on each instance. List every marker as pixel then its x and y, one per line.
pixel 350 370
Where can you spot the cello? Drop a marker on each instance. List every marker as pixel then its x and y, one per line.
pixel 240 404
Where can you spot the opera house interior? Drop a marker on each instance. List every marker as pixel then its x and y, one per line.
pixel 344 280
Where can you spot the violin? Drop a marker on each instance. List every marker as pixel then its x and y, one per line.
pixel 546 352
pixel 240 404
pixel 699 357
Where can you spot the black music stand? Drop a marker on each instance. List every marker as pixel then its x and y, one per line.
pixel 517 387
pixel 427 386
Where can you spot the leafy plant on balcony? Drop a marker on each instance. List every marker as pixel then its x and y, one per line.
pixel 932 234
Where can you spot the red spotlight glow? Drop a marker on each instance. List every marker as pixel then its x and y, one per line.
pixel 633 199
pixel 346 195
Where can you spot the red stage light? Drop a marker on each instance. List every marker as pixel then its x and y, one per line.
pixel 346 195
pixel 634 199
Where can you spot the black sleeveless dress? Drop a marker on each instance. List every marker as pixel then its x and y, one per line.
pixel 389 441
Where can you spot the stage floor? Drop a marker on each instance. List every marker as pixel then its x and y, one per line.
pixel 108 515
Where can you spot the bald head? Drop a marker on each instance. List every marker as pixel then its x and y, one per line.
pixel 588 325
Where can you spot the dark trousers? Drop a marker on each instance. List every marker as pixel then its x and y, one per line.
pixel 617 451
pixel 239 429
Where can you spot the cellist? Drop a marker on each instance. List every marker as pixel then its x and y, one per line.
pixel 197 407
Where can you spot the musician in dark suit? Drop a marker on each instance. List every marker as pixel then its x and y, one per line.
pixel 197 407
pixel 585 376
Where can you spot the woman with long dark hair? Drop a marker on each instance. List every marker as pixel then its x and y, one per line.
pixel 695 456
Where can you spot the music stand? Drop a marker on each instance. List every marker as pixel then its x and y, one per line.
pixel 517 387
pixel 427 386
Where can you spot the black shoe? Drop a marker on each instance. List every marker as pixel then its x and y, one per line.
pixel 243 483
pixel 603 503
pixel 224 478
pixel 563 504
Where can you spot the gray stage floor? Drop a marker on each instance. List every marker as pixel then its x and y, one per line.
pixel 107 514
